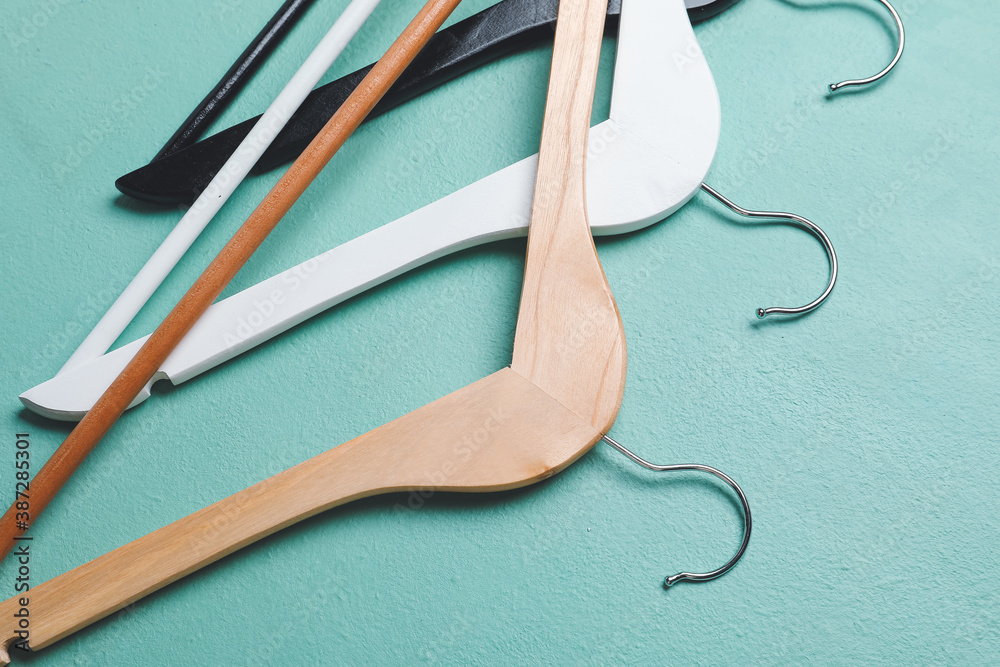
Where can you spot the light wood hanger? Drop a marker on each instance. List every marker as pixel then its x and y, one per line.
pixel 529 421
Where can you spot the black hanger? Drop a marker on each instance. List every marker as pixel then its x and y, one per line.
pixel 508 26
pixel 237 77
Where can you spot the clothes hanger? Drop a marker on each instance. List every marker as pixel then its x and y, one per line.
pixel 224 183
pixel 647 160
pixel 60 400
pixel 506 27
pixel 106 411
pixel 558 397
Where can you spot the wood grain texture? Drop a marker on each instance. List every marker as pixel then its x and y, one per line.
pixel 569 338
pixel 513 428
pixel 92 428
pixel 484 437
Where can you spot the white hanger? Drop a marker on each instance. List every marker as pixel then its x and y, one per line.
pixel 645 162
pixel 221 187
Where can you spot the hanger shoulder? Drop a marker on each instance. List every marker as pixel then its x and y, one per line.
pixel 499 433
pixel 569 338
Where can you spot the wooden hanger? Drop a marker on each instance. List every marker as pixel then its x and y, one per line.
pixel 559 396
pixel 646 161
pixel 506 27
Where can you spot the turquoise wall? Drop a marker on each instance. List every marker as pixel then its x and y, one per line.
pixel 864 434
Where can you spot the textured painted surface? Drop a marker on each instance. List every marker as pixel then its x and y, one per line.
pixel 865 434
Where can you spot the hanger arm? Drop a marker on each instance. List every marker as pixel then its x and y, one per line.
pixel 499 433
pixel 491 209
pixel 569 338
pixel 214 279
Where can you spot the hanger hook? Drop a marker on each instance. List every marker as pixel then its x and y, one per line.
pixel 834 87
pixel 802 222
pixel 747 521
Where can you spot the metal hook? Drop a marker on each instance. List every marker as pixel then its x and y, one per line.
pixel 747 522
pixel 834 87
pixel 802 222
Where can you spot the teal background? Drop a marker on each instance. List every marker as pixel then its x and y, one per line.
pixel 865 434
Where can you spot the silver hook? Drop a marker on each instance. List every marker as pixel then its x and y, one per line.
pixel 802 222
pixel 834 87
pixel 747 522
